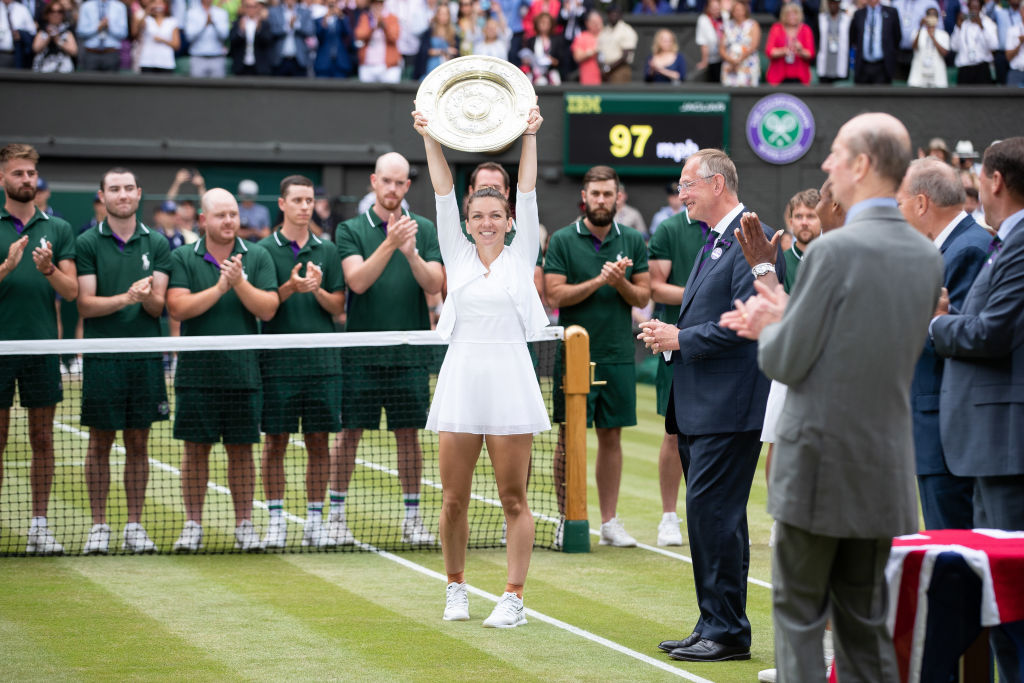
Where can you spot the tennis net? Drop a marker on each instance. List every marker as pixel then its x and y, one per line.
pixel 188 386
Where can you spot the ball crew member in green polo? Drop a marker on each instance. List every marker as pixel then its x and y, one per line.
pixel 303 384
pixel 123 268
pixel 673 251
pixel 392 261
pixel 38 261
pixel 219 285
pixel 595 270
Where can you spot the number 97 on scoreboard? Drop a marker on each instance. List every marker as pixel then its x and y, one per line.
pixel 641 134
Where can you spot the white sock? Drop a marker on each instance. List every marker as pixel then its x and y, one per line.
pixel 38 522
pixel 275 507
pixel 314 512
pixel 669 517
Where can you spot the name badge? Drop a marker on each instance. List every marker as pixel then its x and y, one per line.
pixel 716 254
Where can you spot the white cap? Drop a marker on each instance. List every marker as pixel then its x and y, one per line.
pixel 965 150
pixel 248 188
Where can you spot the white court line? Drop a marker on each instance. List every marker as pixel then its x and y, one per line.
pixel 409 564
pixel 295 519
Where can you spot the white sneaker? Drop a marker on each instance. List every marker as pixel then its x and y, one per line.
pixel 75 366
pixel 668 531
pixel 508 613
pixel 612 533
pixel 313 534
pixel 456 602
pixel 42 542
pixel 559 534
pixel 337 530
pixel 98 541
pixel 246 537
pixel 415 533
pixel 136 540
pixel 277 533
pixel 766 676
pixel 191 538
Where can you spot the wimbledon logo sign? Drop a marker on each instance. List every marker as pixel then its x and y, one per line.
pixel 780 129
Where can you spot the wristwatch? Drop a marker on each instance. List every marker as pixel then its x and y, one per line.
pixel 762 269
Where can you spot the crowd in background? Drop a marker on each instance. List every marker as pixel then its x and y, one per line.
pixel 919 42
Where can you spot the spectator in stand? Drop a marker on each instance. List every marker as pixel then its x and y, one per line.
pixel 790 48
pixel 102 25
pixel 254 218
pixel 937 148
pixel 496 38
pixel 973 40
pixel 250 42
pixel 1003 17
pixel 1014 51
pixel 911 12
pixel 584 50
pixel 290 24
pixel 833 44
pixel 158 39
pixel 185 217
pixel 617 46
pixel 629 215
pixel 741 37
pixel 164 221
pixel 42 199
pixel 54 46
pixel 571 20
pixel 413 23
pixel 544 52
pixel 709 37
pixel 17 31
pixel 652 7
pixel 334 41
pixel 190 176
pixel 513 11
pixel 875 38
pixel 675 205
pixel 666 63
pixel 379 59
pixel 443 45
pixel 931 45
pixel 206 28
pixel 538 7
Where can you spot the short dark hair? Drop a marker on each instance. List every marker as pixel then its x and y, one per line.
pixel 299 180
pixel 1007 157
pixel 116 169
pixel 17 150
pixel 489 166
pixel 601 173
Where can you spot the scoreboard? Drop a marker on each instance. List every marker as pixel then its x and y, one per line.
pixel 641 134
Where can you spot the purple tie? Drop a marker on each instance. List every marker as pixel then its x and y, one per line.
pixel 995 246
pixel 709 243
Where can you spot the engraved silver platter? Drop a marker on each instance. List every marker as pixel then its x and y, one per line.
pixel 476 103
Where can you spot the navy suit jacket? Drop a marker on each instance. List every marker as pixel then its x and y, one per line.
pixel 717 387
pixel 963 254
pixel 263 43
pixel 891 36
pixel 981 409
pixel 303 29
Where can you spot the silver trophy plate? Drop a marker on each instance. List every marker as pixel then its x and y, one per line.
pixel 476 103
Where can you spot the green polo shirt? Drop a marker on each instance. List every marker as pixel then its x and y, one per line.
pixel 301 312
pixel 27 310
pixel 191 270
pixel 395 301
pixel 117 265
pixel 574 252
pixel 794 256
pixel 679 240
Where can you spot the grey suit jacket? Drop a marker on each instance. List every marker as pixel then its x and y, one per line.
pixel 981 408
pixel 847 346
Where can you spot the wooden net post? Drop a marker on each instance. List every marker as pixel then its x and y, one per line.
pixel 577 381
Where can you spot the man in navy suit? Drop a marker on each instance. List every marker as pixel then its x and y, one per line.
pixel 981 408
pixel 290 24
pixel 717 409
pixel 875 36
pixel 931 199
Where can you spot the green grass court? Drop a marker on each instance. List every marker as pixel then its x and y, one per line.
pixel 369 616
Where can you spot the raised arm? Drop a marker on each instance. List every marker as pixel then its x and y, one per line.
pixel 440 174
pixel 528 157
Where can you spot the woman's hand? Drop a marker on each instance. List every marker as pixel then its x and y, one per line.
pixel 419 123
pixel 533 121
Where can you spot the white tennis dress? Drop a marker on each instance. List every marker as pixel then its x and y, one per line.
pixel 487 383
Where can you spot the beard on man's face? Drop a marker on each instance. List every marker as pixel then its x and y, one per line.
pixel 598 217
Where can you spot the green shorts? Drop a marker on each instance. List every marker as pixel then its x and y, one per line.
pixel 204 415
pixel 403 392
pixel 314 400
pixel 123 393
pixel 663 386
pixel 608 405
pixel 38 379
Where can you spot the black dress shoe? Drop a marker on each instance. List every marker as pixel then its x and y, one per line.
pixel 706 650
pixel 669 645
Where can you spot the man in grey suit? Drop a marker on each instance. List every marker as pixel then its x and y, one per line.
pixel 842 481
pixel 931 199
pixel 981 408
